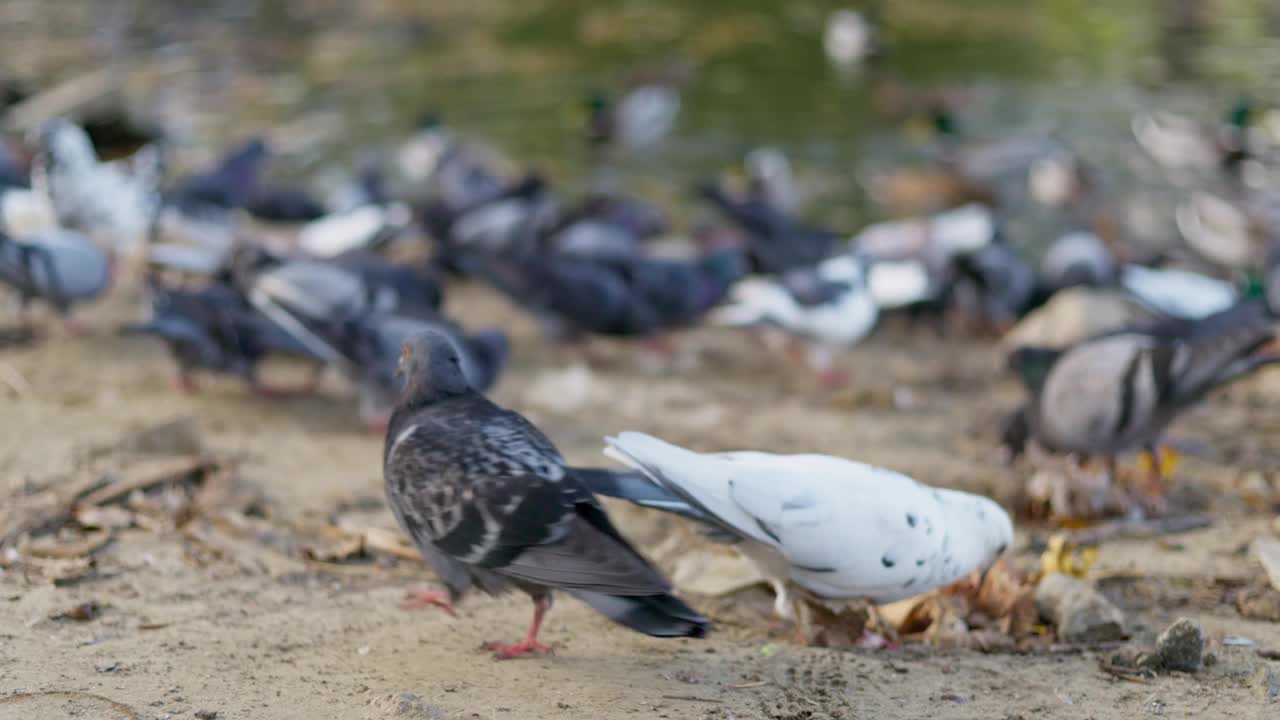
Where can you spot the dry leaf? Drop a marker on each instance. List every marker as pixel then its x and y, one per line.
pixel 111 517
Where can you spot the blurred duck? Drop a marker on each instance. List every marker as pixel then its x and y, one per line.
pixel 848 39
pixel 1221 232
pixel 1177 142
pixel 641 118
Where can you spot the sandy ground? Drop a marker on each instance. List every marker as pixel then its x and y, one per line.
pixel 188 631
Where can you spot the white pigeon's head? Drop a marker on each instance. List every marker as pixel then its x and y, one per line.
pixel 979 529
pixel 64 145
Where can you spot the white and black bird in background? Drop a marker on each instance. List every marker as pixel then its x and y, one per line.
pixel 491 504
pixel 116 203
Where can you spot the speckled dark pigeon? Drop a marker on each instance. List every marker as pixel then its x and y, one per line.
pixel 491 504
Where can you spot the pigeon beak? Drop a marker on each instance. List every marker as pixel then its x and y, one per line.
pixel 982 577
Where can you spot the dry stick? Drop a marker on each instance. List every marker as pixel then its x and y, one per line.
pixel 692 698
pixel 85 546
pixel 117 707
pixel 1140 528
pixel 1123 674
pixel 169 472
pixel 51 518
pixel 391 543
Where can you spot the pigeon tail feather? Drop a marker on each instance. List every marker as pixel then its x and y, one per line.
pixel 656 615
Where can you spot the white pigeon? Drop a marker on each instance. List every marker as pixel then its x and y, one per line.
pixel 839 312
pixel 24 213
pixel 1177 293
pixel 115 203
pixel 837 529
pixel 361 227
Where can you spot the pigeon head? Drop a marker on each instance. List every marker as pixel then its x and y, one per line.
pixel 1032 364
pixel 432 369
pixel 981 530
pixel 725 265
pixel 63 144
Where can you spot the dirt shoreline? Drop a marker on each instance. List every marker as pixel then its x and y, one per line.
pixel 184 632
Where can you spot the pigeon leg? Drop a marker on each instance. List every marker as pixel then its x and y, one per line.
pixel 186 383
pixel 822 360
pixel 305 389
pixel 1156 486
pixel 74 327
pixel 429 598
pixel 530 644
pixel 886 639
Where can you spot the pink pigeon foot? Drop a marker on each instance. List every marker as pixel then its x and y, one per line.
pixel 507 651
pixel 530 644
pixel 429 598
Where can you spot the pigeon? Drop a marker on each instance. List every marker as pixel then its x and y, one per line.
pixel 115 203
pixel 214 329
pixel 24 213
pixel 1008 287
pixel 13 169
pixel 605 225
pixel 778 242
pixel 617 296
pixel 315 301
pixel 836 529
pixel 1120 390
pixel 1174 293
pixel 830 305
pixel 490 502
pixel 372 345
pixel 1078 258
pixel 364 227
pixel 508 221
pixel 237 183
pixel 770 180
pixel 59 266
pixel 227 186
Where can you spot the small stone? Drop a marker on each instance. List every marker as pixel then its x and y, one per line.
pixel 206 715
pixel 1079 612
pixel 106 667
pixel 404 705
pixel 1268 683
pixel 1179 648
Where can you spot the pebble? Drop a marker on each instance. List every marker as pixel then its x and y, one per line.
pixel 1268 683
pixel 1179 648
pixel 1079 612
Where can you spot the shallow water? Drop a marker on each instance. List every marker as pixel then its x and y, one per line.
pixel 340 77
